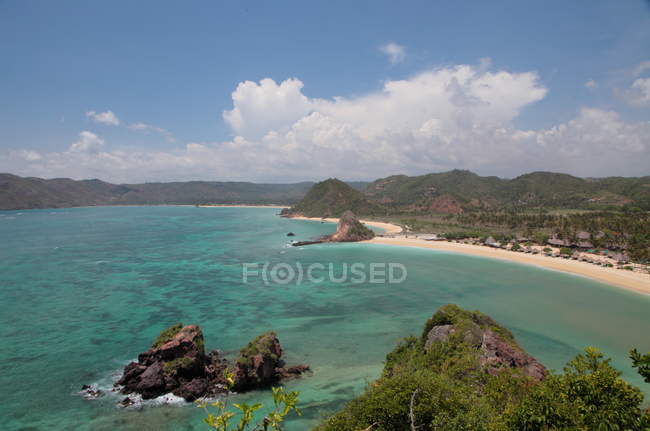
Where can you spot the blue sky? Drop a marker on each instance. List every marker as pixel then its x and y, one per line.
pixel 496 87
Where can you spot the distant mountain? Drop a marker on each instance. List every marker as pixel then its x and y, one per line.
pixel 24 193
pixel 447 192
pixel 331 198
pixel 457 191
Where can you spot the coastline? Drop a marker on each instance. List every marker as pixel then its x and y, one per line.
pixel 240 206
pixel 628 280
pixel 390 228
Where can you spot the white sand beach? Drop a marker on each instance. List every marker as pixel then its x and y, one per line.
pixel 630 280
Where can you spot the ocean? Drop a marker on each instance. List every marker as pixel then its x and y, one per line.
pixel 85 290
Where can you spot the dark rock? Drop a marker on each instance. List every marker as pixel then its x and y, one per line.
pixel 193 389
pixel 90 392
pixel 258 362
pixel 126 402
pixel 294 371
pixel 176 356
pixel 291 234
pixel 151 382
pixel 177 363
pixel 301 243
pixel 497 353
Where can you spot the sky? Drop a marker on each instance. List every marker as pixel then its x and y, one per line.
pixel 288 91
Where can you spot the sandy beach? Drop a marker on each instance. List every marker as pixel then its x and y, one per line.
pixel 629 280
pixel 390 228
pixel 241 206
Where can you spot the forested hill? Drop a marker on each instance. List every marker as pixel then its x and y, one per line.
pixel 24 193
pixel 331 198
pixel 456 191
pixel 448 192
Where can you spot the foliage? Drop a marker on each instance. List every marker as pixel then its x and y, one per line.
pixel 331 198
pixel 641 363
pixel 263 344
pixel 284 403
pixel 590 395
pixel 455 393
pixel 565 251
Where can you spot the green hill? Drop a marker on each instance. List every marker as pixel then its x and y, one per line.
pixel 24 193
pixel 457 191
pixel 331 198
pixel 467 372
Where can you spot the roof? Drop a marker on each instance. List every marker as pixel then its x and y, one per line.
pixel 584 235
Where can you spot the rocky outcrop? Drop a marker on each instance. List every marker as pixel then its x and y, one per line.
pixel 498 353
pixel 177 363
pixel 495 346
pixel 349 229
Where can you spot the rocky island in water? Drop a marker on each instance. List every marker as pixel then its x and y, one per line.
pixel 177 363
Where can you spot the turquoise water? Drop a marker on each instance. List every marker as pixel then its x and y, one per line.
pixel 85 290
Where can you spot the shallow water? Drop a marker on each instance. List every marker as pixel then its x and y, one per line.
pixel 85 290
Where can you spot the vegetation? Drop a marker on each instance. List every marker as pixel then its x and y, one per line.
pixel 641 363
pixel 24 193
pixel 167 335
pixel 628 231
pixel 284 403
pixel 467 191
pixel 590 395
pixel 261 344
pixel 331 198
pixel 443 387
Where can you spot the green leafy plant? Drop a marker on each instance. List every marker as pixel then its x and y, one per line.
pixel 225 419
pixel 641 363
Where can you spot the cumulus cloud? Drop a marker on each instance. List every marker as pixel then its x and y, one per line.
pixel 259 108
pixel 396 53
pixel 87 141
pixel 639 93
pixel 440 119
pixel 108 117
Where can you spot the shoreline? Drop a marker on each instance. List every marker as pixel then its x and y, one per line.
pixel 628 280
pixel 390 228
pixel 239 206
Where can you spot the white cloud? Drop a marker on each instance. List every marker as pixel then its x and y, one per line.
pixel 30 155
pixel 396 53
pixel 259 108
pixel 440 119
pixel 108 117
pixel 147 128
pixel 591 84
pixel 639 93
pixel 87 141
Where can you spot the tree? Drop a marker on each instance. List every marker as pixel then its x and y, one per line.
pixel 590 395
pixel 641 363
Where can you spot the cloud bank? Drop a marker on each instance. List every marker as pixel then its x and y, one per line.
pixel 453 117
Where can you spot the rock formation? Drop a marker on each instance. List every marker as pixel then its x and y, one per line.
pixel 495 345
pixel 350 229
pixel 177 363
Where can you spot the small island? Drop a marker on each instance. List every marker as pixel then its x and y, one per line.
pixel 177 363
